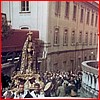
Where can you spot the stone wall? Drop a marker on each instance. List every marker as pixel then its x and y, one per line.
pixel 68 60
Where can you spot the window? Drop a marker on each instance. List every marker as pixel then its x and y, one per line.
pixel 24 5
pixel 90 38
pixel 74 12
pixel 92 19
pixel 88 17
pixel 57 8
pixel 4 19
pixel 95 39
pixel 24 28
pixel 79 62
pixel 65 37
pixel 89 57
pixel 96 19
pixel 56 33
pixel 81 18
pixel 73 37
pixel 67 9
pixel 85 58
pixel 86 38
pixel 80 37
pixel 94 57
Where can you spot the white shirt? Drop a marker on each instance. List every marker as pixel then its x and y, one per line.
pixel 37 95
pixel 17 96
pixel 6 93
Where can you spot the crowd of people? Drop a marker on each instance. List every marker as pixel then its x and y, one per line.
pixel 48 84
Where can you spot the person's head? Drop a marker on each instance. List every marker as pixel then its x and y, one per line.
pixel 60 82
pixel 30 36
pixel 72 78
pixel 39 79
pixel 73 92
pixel 48 76
pixel 32 80
pixel 36 87
pixel 21 87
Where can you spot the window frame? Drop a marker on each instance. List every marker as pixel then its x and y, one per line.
pixel 95 36
pixel 80 37
pixel 57 8
pixel 96 20
pixel 67 5
pixel 74 12
pixel 92 19
pixel 65 43
pixel 88 17
pixel 24 28
pixel 91 37
pixel 73 38
pixel 82 15
pixel 56 36
pixel 86 38
pixel 25 11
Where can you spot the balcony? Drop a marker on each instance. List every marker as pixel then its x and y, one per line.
pixel 90 78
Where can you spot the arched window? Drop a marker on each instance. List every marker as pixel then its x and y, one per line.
pixel 80 37
pixel 24 28
pixel 86 38
pixel 73 37
pixel 56 35
pixel 65 37
pixel 91 38
pixel 95 39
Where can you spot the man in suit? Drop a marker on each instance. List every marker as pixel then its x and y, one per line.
pixel 36 92
pixel 21 93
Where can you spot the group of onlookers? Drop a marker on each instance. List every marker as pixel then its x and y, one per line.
pixel 48 84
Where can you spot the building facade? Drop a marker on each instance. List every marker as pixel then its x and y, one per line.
pixel 73 28
pixel 69 30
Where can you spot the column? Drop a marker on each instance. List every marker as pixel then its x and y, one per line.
pixel 83 77
pixel 89 81
pixel 86 78
pixel 92 85
pixel 97 85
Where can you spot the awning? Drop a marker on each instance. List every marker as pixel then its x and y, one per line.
pixel 16 38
